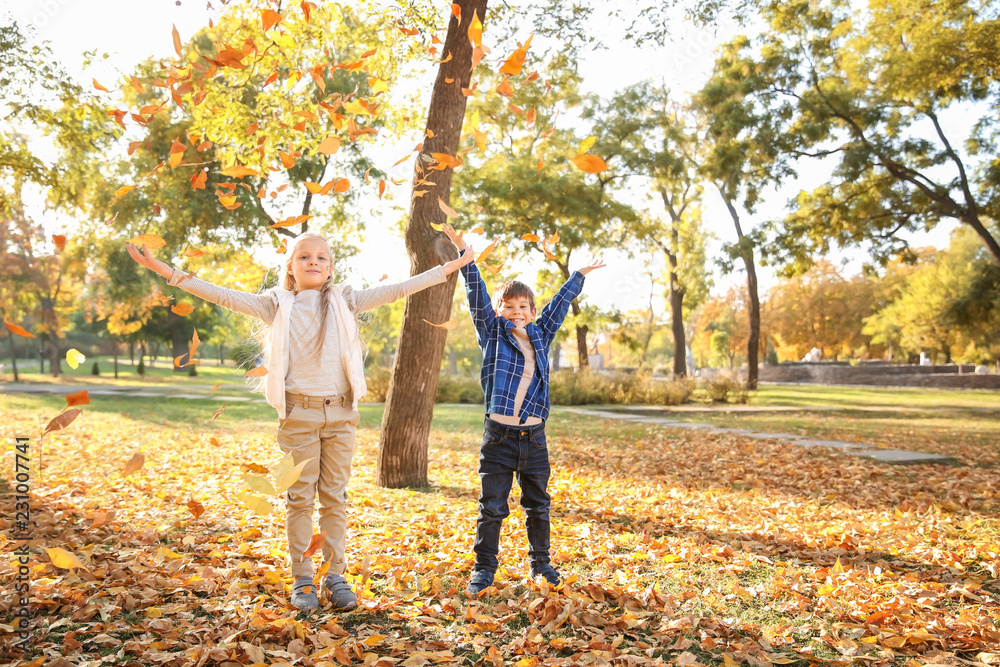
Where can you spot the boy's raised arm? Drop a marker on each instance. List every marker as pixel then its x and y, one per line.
pixel 480 304
pixel 552 315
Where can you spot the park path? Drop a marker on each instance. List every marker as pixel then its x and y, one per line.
pixel 646 415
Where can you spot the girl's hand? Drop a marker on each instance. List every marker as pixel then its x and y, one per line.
pixel 145 258
pixel 456 264
pixel 594 264
pixel 454 237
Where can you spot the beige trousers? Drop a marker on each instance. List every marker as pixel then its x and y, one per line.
pixel 325 434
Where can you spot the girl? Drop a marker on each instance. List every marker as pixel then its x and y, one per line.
pixel 315 379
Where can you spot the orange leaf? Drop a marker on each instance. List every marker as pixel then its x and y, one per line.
pixel 447 326
pixel 505 88
pixel 238 171
pixel 476 30
pixel 62 420
pixel 590 163
pixel 552 240
pixel 198 180
pixel 530 118
pixel 515 62
pixel 381 187
pixel 329 146
pixel 287 160
pixel 79 398
pixel 456 11
pixel 314 543
pixel 124 190
pixel 294 220
pixel 343 185
pixel 148 240
pixel 444 160
pixel 133 146
pixel 217 385
pixel 177 40
pixel 530 237
pixel 100 87
pixel 269 18
pixel 60 241
pixel 215 415
pixel 251 129
pixel 476 230
pixel 196 508
pixel 134 464
pixel 487 252
pixel 259 371
pixel 194 253
pixel 448 210
pixel 182 309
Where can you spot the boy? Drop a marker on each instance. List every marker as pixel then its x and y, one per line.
pixel 515 379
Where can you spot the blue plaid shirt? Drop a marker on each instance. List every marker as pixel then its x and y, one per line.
pixel 503 361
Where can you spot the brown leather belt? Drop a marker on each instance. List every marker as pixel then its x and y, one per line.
pixel 314 401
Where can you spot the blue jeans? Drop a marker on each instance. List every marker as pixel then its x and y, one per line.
pixel 510 451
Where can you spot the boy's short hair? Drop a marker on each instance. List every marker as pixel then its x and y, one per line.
pixel 512 289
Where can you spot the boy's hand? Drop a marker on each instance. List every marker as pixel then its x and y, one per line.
pixel 594 264
pixel 456 264
pixel 146 259
pixel 454 237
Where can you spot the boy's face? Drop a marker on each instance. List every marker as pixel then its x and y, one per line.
pixel 518 310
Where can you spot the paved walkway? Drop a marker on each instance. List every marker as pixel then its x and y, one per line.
pixel 651 416
pixel 646 415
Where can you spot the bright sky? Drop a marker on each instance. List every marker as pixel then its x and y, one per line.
pixel 131 31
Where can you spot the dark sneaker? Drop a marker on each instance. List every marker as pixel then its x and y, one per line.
pixel 548 573
pixel 340 592
pixel 481 580
pixel 304 594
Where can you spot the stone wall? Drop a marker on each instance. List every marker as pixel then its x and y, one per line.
pixel 880 374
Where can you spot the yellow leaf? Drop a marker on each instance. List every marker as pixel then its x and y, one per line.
pixel 151 241
pixel 487 252
pixel 256 503
pixel 100 87
pixel 590 163
pixel 287 473
pixel 74 358
pixel 124 190
pixel 64 559
pixel 163 553
pixel 586 145
pixel 437 227
pixel 260 485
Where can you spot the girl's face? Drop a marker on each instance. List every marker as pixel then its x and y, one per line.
pixel 311 264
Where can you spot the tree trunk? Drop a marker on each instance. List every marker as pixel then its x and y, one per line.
pixel 409 405
pixel 13 355
pixel 54 366
pixel 114 351
pixel 753 340
pixel 178 340
pixel 581 336
pixel 677 326
pixel 41 358
pixel 556 352
pixel 222 354
pixel 131 352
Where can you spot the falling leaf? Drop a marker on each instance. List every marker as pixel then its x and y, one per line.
pixel 64 559
pixel 151 241
pixel 315 543
pixel 456 11
pixel 196 508
pixel 255 503
pixel 586 145
pixel 448 210
pixel 590 163
pixel 238 171
pixel 287 160
pixel 530 117
pixel 552 240
pixel 215 415
pixel 530 237
pixel 79 398
pixel 74 358
pixel 260 485
pixel 251 129
pixel 194 253
pixel 134 464
pixel 182 309
pixel 17 329
pixel 287 472
pixel 343 185
pixel 291 221
pixel 448 326
pixel 270 18
pixel 177 40
pixel 437 227
pixel 444 160
pixel 259 371
pixel 329 146
pixel 384 276
pixel 476 230
pixel 513 65
pixel 124 190
pixel 476 31
pixel 62 420
pixel 487 252
pixel 217 385
pixel 381 187
pixel 198 180
pixel 505 88
pixel 100 87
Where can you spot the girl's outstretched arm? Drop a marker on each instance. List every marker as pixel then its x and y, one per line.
pixel 262 306
pixel 373 297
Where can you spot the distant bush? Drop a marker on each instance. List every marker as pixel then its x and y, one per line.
pixel 641 388
pixel 141 369
pixel 95 370
pixel 724 388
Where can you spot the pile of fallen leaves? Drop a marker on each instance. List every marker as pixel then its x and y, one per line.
pixel 676 547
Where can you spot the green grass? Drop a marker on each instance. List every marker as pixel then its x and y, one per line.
pixel 161 373
pixel 882 397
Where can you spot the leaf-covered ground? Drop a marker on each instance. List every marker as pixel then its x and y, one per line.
pixel 677 547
